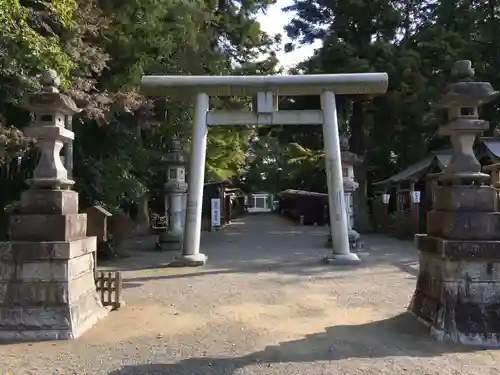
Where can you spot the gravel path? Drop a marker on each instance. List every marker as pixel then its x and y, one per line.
pixel 265 305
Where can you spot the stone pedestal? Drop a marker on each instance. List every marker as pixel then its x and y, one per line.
pixel 353 237
pixel 47 287
pixel 189 260
pixel 171 240
pixel 175 189
pixel 349 187
pixel 458 286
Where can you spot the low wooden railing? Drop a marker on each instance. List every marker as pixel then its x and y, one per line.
pixel 109 286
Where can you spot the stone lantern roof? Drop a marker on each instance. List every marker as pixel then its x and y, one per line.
pixel 465 92
pixel 345 155
pixel 50 99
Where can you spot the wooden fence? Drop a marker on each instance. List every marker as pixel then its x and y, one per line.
pixel 109 286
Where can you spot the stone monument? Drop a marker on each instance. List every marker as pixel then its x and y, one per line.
pixel 348 160
pixel 175 191
pixel 47 286
pixel 458 287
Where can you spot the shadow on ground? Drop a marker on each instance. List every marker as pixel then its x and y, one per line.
pixel 307 266
pixel 393 337
pixel 269 243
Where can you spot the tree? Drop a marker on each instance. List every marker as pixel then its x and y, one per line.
pixel 101 49
pixel 404 39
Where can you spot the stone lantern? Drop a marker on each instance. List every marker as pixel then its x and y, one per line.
pixel 50 109
pixel 462 100
pixel 458 285
pixel 175 193
pixel 348 160
pixel 48 264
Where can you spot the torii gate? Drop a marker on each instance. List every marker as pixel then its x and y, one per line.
pixel 266 89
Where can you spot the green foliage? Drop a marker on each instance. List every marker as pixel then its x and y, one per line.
pixel 14 143
pixel 415 43
pixel 272 166
pixel 28 40
pixel 101 49
pixel 225 153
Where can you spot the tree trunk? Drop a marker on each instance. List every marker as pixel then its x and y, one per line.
pixel 142 219
pixel 362 222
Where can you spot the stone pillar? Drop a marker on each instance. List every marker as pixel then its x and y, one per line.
pixel 191 255
pixel 183 217
pixel 175 190
pixel 458 287
pixel 341 252
pixel 68 149
pixel 348 160
pixel 47 287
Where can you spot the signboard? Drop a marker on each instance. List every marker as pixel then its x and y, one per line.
pixel 386 198
pixel 415 196
pixel 215 210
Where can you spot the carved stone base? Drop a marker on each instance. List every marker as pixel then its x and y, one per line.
pixel 47 290
pixel 343 259
pixel 353 237
pixel 195 260
pixel 170 242
pixel 23 323
pixel 458 290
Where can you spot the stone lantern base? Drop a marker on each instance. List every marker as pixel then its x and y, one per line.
pixel 47 286
pixel 458 287
pixel 170 241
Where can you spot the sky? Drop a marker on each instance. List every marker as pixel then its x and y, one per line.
pixel 273 23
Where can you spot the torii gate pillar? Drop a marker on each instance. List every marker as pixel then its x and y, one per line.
pixel 266 88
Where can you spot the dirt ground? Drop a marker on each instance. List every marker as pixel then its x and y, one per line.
pixel 264 304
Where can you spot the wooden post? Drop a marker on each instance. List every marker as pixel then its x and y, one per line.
pixel 399 203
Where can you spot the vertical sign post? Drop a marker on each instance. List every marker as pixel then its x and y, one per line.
pixel 415 197
pixel 215 212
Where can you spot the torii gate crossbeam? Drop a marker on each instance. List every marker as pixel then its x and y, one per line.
pixel 266 88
